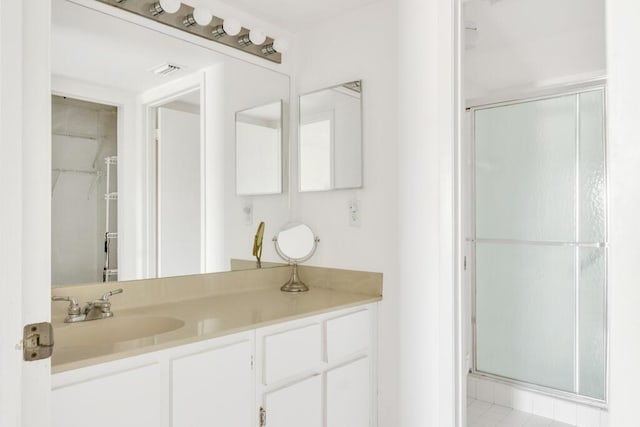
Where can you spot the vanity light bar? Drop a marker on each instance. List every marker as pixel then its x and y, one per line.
pixel 184 20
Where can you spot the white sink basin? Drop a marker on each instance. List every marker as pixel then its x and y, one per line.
pixel 113 330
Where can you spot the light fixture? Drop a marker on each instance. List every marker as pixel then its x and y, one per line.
pixel 278 45
pixel 200 21
pixel 268 49
pixel 162 6
pixel 202 15
pixel 229 27
pixel 257 36
pixel 281 45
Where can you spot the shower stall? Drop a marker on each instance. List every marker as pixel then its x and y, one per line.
pixel 537 234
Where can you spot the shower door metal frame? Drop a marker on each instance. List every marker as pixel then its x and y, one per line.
pixel 548 93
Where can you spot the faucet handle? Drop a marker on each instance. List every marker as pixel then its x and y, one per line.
pixel 106 295
pixel 74 308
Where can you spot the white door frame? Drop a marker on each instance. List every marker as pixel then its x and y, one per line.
pixel 149 101
pixel 25 218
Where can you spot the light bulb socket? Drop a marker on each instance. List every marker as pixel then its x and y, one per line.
pixel 156 9
pixel 218 31
pixel 244 40
pixel 189 20
pixel 268 49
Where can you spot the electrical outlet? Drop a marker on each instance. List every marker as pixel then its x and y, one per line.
pixel 247 210
pixel 354 213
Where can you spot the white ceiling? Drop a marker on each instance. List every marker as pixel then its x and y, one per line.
pixel 528 42
pixel 296 15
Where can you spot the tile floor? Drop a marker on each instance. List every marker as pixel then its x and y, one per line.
pixel 484 414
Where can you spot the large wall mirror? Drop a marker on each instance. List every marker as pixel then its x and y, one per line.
pixel 330 138
pixel 143 151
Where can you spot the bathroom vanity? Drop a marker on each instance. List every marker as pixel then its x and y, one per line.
pixel 241 353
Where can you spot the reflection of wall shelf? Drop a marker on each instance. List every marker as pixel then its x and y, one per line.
pixel 113 160
pixel 78 171
pixel 59 171
pixel 110 196
pixel 76 135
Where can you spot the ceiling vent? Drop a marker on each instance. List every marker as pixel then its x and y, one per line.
pixel 166 69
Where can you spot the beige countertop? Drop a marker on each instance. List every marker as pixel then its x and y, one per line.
pixel 137 329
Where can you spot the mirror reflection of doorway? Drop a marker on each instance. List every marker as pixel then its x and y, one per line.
pixel 83 192
pixel 179 188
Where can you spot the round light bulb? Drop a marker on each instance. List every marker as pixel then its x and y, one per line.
pixel 202 15
pixel 231 27
pixel 257 36
pixel 281 45
pixel 170 6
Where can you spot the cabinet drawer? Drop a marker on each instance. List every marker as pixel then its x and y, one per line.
pixel 347 335
pixel 291 352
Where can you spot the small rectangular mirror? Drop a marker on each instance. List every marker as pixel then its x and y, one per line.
pixel 330 138
pixel 259 150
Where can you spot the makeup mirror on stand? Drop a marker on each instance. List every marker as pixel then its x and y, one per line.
pixel 295 243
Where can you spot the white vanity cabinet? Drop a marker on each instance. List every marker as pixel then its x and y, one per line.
pixel 317 371
pixel 209 383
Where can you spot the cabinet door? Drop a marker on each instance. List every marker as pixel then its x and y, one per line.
pixel 349 395
pixel 129 398
pixel 297 405
pixel 214 388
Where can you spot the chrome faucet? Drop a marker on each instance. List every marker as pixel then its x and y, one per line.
pixel 97 309
pixel 73 311
pixel 100 308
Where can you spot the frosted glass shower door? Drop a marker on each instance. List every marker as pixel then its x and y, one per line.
pixel 540 242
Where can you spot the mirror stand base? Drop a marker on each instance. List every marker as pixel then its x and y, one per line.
pixel 294 284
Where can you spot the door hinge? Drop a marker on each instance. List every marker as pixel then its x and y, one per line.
pixel 464 263
pixel 37 341
pixel 251 362
pixel 263 417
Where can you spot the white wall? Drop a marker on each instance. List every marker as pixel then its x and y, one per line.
pixel 623 36
pixel 428 306
pixel 358 45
